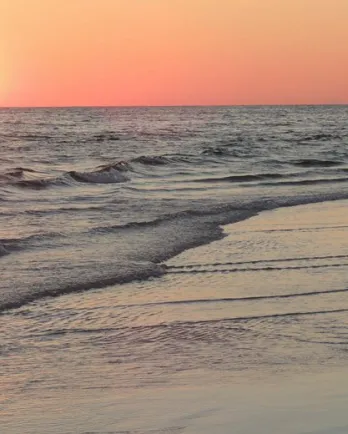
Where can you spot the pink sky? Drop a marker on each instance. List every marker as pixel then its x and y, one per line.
pixel 173 52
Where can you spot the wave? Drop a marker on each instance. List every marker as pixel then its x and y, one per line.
pixel 320 137
pixel 245 152
pixel 219 215
pixel 55 210
pixel 33 137
pixel 125 273
pixel 282 177
pixel 243 178
pixel 111 174
pixel 114 172
pixel 9 245
pixel 15 173
pixel 222 214
pixel 122 166
pixel 236 319
pixel 152 160
pixel 315 163
pixel 270 316
pixel 157 160
pixel 105 137
pixel 20 171
pixel 215 151
pixel 234 150
pixel 108 175
pixel 39 184
pixel 199 323
pixel 121 171
pixel 235 299
pixel 315 181
pixel 163 160
pixel 30 137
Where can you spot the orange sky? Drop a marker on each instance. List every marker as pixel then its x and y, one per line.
pixel 173 52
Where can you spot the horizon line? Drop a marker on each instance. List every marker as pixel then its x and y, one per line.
pixel 174 106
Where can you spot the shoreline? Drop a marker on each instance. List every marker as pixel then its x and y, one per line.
pixel 215 231
pixel 196 352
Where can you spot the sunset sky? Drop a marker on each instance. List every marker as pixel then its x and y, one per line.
pixel 173 52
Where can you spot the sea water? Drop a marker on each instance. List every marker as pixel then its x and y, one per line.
pixel 97 202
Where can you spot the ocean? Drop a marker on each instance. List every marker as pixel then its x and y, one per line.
pixel 117 272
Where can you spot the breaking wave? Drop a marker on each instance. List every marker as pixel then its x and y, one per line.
pixel 102 175
pixel 108 175
pixel 121 171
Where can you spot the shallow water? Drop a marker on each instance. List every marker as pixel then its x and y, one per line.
pixel 258 341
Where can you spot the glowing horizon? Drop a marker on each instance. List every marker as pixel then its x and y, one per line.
pixel 173 52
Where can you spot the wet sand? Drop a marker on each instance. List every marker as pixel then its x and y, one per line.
pixel 245 335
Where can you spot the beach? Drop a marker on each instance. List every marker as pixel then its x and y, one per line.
pixel 247 334
pixel 173 217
